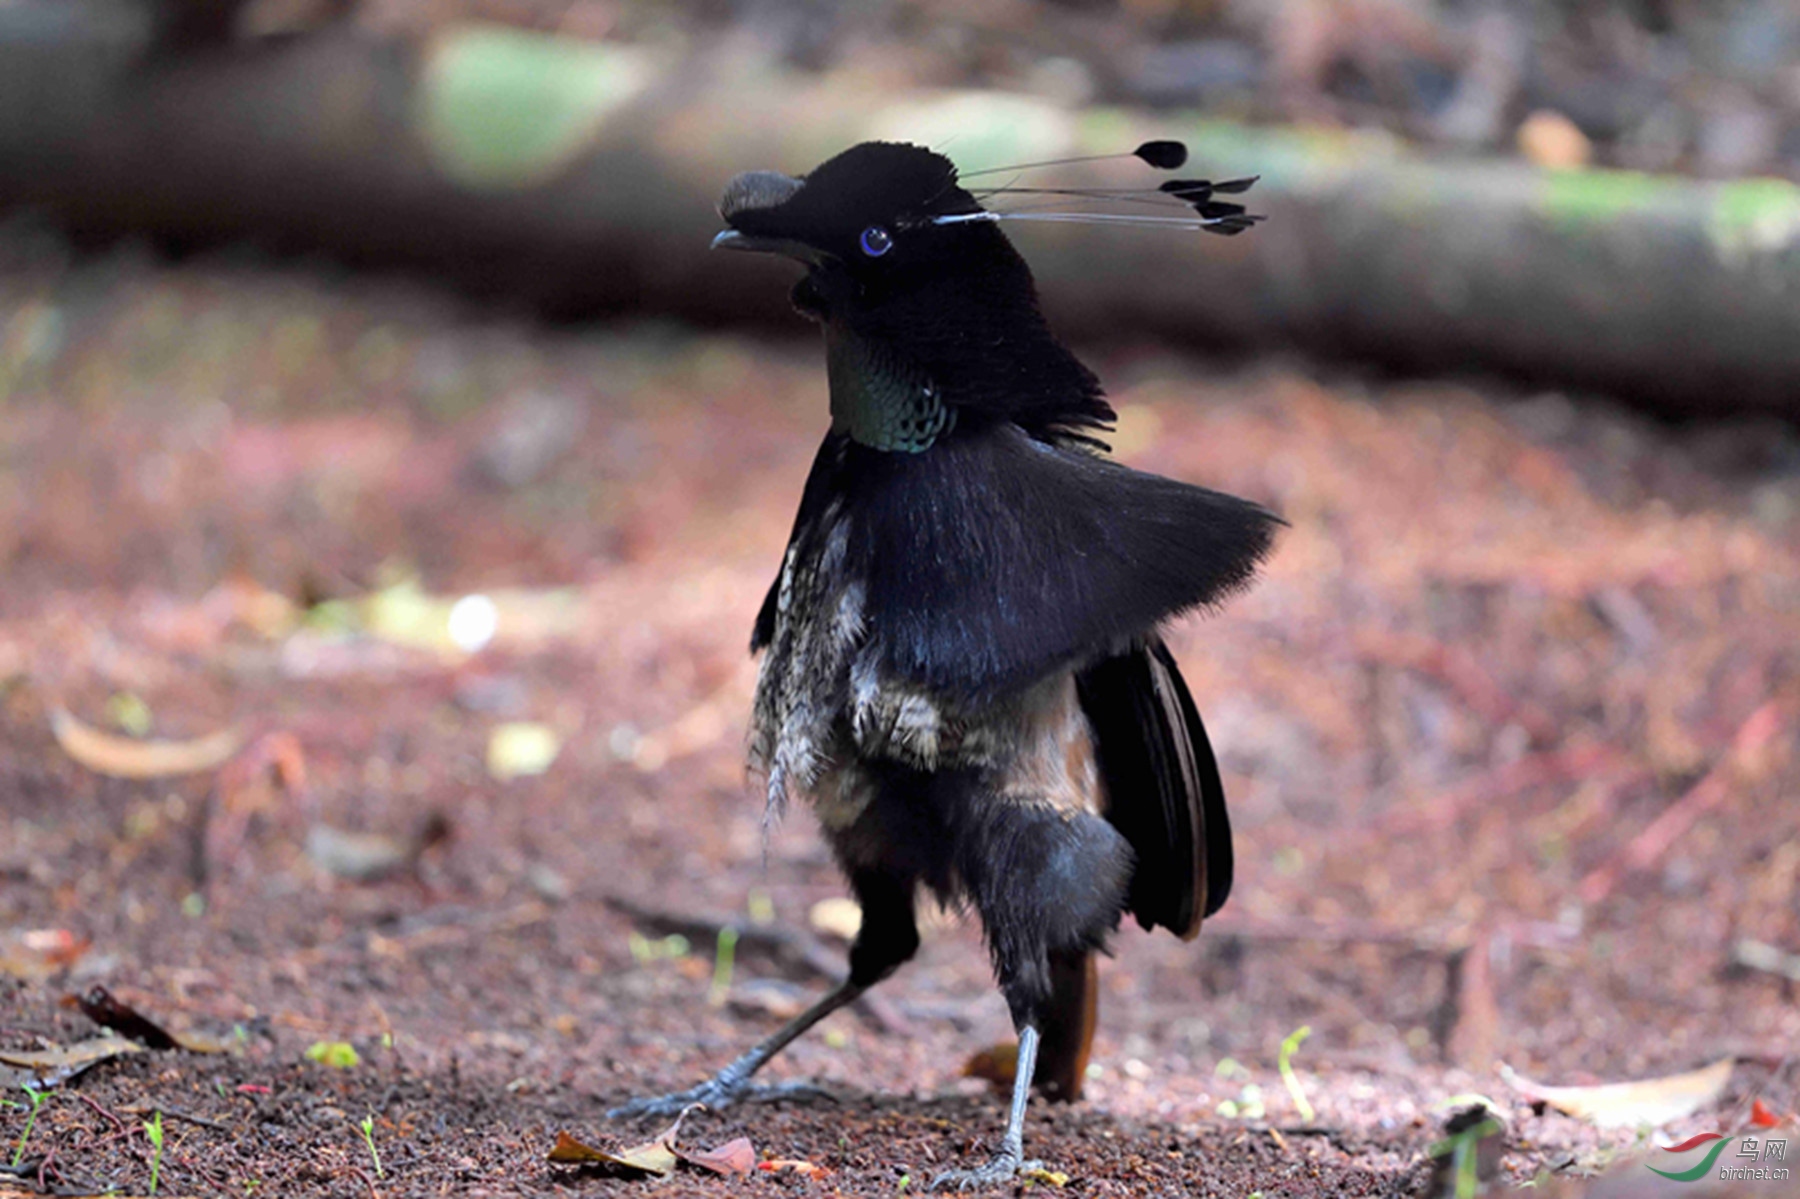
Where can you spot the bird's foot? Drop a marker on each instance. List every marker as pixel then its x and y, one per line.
pixel 719 1092
pixel 1001 1169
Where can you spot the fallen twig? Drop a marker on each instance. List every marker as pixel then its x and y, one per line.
pixel 175 1114
pixel 365 1179
pixel 1644 850
pixel 118 1124
pixel 1572 764
pixel 1335 932
pixel 1473 1023
pixel 1335 1136
pixel 788 946
pixel 1458 669
pixel 1770 959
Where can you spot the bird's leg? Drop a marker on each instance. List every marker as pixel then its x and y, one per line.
pixel 732 1084
pixel 1005 1165
pixel 887 938
pixel 1048 885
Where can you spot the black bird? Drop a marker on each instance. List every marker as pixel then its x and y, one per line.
pixel 962 667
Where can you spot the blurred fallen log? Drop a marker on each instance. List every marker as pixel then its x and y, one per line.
pixel 581 177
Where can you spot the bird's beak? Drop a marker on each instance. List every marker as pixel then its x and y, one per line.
pixel 758 192
pixel 731 239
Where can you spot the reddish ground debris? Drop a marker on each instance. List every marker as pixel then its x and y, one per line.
pixel 1464 720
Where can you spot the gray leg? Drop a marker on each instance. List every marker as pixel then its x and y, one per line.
pixel 1006 1164
pixel 887 939
pixel 732 1084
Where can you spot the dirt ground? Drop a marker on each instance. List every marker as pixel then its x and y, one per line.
pixel 1506 727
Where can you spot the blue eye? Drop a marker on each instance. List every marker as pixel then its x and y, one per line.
pixel 876 241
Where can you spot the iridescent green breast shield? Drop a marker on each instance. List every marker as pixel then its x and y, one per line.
pixel 878 401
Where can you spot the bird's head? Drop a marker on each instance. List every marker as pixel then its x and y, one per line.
pixel 908 270
pixel 869 226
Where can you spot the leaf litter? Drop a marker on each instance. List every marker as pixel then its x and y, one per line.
pixel 658 1156
pixel 36 954
pixel 1650 1102
pixel 128 758
pixel 56 1064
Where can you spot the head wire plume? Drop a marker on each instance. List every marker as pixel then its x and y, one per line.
pixel 1195 196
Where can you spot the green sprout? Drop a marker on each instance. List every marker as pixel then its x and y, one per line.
pixel 724 957
pixel 37 1100
pixel 1285 1063
pixel 154 1131
pixel 339 1055
pixel 1461 1147
pixel 644 950
pixel 368 1131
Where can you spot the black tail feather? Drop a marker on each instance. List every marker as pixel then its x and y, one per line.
pixel 1162 786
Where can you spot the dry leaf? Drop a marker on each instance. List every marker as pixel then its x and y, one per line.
pixel 405 614
pixel 368 857
pixel 1653 1101
pixel 199 1042
pixel 1550 139
pixel 838 916
pixel 103 1009
pixel 653 1157
pixel 124 758
pixel 360 857
pixel 570 1152
pixel 997 1064
pixel 773 997
pixel 733 1157
pixel 1055 1178
pixel 59 1063
pixel 35 954
pixel 520 749
pixel 779 1165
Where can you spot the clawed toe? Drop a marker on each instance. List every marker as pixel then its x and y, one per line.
pixel 797 1089
pixel 1001 1170
pixel 708 1093
pixel 653 1105
pixel 715 1095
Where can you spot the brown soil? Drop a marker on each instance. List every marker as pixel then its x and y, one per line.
pixel 1502 637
